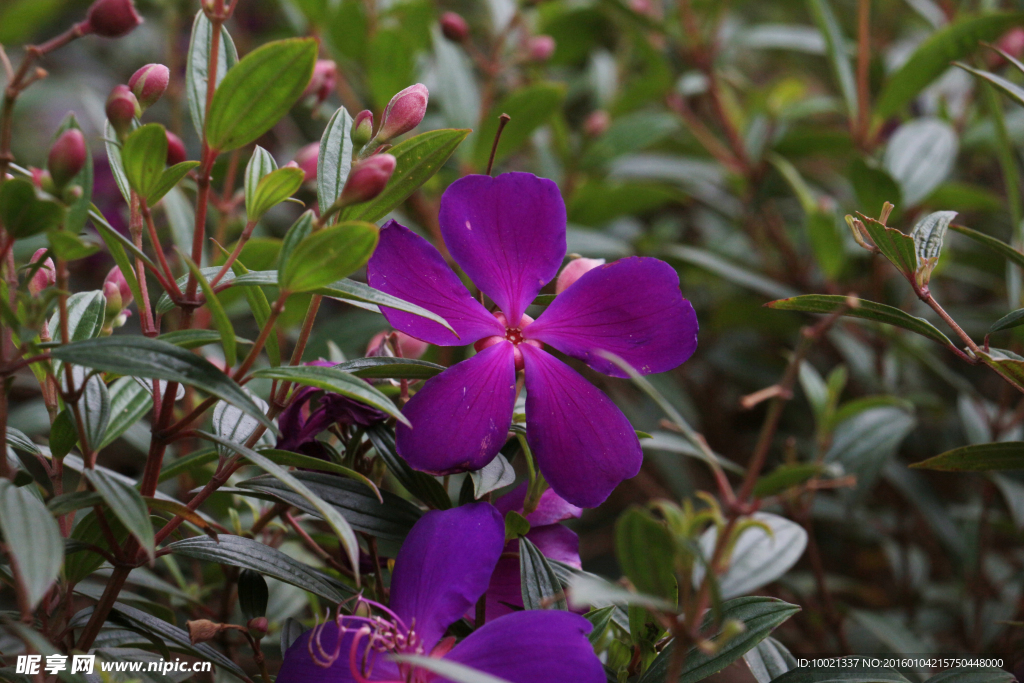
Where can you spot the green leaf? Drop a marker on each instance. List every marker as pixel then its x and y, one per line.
pixel 258 91
pixel 387 367
pixel 261 311
pixel 1009 365
pixel 896 246
pixel 33 539
pixel 221 321
pixel 417 160
pixel 759 615
pixel 866 310
pixel 419 484
pixel 296 234
pixel 306 462
pixel 738 275
pixel 85 316
pixel 992 243
pixel 233 424
pixel 769 660
pixel 645 550
pixel 76 500
pixel 272 189
pixel 867 440
pixel 126 504
pixel 1008 87
pixel 144 155
pixel 335 159
pixel 985 457
pixel 516 526
pixel 95 408
pixel 88 531
pixel 23 214
pixel 843 673
pixel 168 180
pixel 117 252
pixel 260 164
pixel 197 66
pixel 17 439
pixel 785 477
pixel 1008 321
pixel 70 247
pixel 328 255
pixel 253 594
pixel 919 156
pixel 238 551
pixel 529 108
pixel 588 589
pixel 113 148
pixel 360 506
pixel 838 55
pixel 540 585
pixel 336 381
pixel 142 357
pixel 353 292
pixel 496 474
pixel 447 669
pixel 334 520
pixel 191 339
pixel 933 56
pixel 63 434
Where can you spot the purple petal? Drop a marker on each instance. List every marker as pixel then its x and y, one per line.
pixel 556 542
pixel 407 266
pixel 584 445
pixel 632 307
pixel 444 567
pixel 507 233
pixel 505 593
pixel 550 510
pixel 533 646
pixel 298 665
pixel 460 418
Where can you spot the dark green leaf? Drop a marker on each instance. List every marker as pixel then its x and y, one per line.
pixel 76 500
pixel 352 292
pixel 23 214
pixel 417 160
pixel 784 477
pixel 541 588
pixel 306 462
pixel 843 673
pixel 335 159
pixel 529 108
pixel 258 91
pixel 328 255
pixel 144 155
pixel 253 594
pixel 894 245
pixel 88 531
pixel 94 406
pixel 191 339
pixel 17 439
pixel 645 550
pixel 419 484
pixel 1008 321
pixel 387 367
pixel 63 434
pixel 168 179
pixel 985 457
pixel 336 381
pixel 838 55
pixel 127 505
pixel 113 148
pixel 992 243
pixel 70 247
pixel 197 66
pixel 866 310
pixel 272 189
pixel 33 539
pixel 217 312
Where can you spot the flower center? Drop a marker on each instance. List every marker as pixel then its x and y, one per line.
pixel 512 334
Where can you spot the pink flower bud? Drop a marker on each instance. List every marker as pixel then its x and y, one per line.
pixel 67 157
pixel 367 179
pixel 362 128
pixel 325 77
pixel 404 112
pixel 45 277
pixel 149 83
pixel 597 123
pixel 258 627
pixel 111 18
pixel 41 179
pixel 1012 43
pixel 113 296
pixel 575 269
pixel 121 109
pixel 410 347
pixel 306 159
pixel 115 279
pixel 540 48
pixel 454 27
pixel 175 149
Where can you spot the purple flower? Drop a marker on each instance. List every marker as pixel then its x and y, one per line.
pixel 299 431
pixel 440 573
pixel 508 235
pixel 555 542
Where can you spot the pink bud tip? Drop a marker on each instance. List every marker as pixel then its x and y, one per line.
pixel 404 112
pixel 306 159
pixel 454 27
pixel 367 179
pixel 597 123
pixel 149 83
pixel 258 627
pixel 362 127
pixel 111 18
pixel 41 179
pixel 574 271
pixel 67 157
pixel 45 277
pixel 115 279
pixel 325 77
pixel 540 48
pixel 410 347
pixel 175 149
pixel 121 109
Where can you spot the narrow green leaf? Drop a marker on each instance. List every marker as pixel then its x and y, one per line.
pixel 850 672
pixel 260 164
pixel 353 292
pixel 985 457
pixel 258 91
pixel 386 367
pixel 296 234
pixel 337 381
pixel 1009 365
pixel 117 252
pixel 197 66
pixel 784 477
pixel 992 243
pixel 261 311
pixel 417 160
pixel 838 55
pixel 328 255
pixel 866 310
pixel 335 159
pixel 738 275
pixel 23 214
pixel 193 339
pixel 126 504
pixel 540 585
pixel 33 539
pixel 17 439
pixel 645 550
pixel 95 408
pixel 144 155
pixel 272 189
pixel 168 180
pixel 305 462
pixel 143 357
pixel 76 500
pixel 1008 321
pixel 419 484
pixel 113 148
pixel 220 317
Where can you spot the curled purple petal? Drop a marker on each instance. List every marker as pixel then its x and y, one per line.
pixel 407 266
pixel 632 307
pixel 507 233
pixel 527 647
pixel 460 418
pixel 584 445
pixel 551 509
pixel 444 567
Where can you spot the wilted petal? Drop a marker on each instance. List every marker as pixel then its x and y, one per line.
pixel 507 233
pixel 632 307
pixel 444 567
pixel 584 445
pixel 407 266
pixel 551 508
pixel 460 418
pixel 533 646
pixel 299 666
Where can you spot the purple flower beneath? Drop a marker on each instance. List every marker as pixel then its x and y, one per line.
pixel 441 571
pixel 508 235
pixel 299 431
